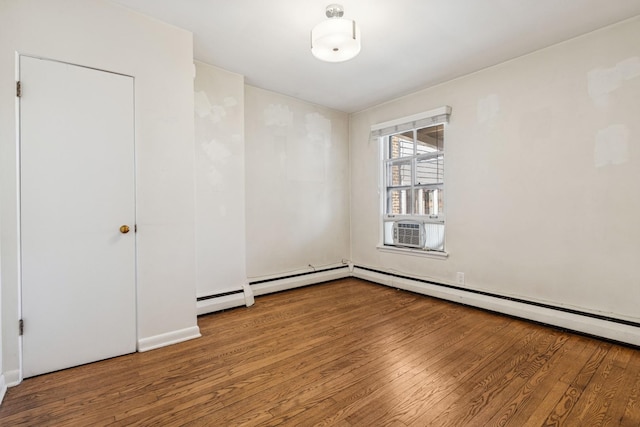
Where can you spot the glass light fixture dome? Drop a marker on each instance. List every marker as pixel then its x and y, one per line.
pixel 336 39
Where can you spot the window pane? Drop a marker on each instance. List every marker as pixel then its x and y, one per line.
pixel 398 202
pixel 399 174
pixel 429 201
pixel 430 140
pixel 430 170
pixel 401 145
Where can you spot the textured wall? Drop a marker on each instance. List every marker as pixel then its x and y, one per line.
pixel 297 184
pixel 220 180
pixel 542 176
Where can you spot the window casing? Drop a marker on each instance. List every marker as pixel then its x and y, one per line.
pixel 413 160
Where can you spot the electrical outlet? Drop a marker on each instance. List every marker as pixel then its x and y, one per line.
pixel 460 278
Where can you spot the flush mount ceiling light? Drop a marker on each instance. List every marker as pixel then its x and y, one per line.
pixel 336 39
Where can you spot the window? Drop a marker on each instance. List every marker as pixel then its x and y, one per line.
pixel 414 172
pixel 413 154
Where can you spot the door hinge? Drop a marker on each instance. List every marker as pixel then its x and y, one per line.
pixel 18 89
pixel 135 228
pixel 20 327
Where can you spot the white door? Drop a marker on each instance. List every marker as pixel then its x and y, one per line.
pixel 77 190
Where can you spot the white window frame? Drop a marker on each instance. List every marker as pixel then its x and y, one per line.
pixel 381 133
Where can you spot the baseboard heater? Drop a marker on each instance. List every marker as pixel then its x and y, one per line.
pixel 503 297
pixel 272 279
pixel 224 300
pixel 224 294
pixel 292 276
pixel 592 324
pixel 268 285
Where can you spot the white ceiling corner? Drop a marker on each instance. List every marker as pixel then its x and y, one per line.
pixel 406 44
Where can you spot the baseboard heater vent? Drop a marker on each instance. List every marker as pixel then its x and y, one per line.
pixel 224 294
pixel 503 297
pixel 274 279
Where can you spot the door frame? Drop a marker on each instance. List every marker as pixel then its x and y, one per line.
pixel 18 159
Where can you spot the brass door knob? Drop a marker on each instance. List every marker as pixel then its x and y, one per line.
pixel 124 229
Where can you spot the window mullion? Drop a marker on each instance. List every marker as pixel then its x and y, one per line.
pixel 413 173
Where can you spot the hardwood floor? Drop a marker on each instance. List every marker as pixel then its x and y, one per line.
pixel 347 353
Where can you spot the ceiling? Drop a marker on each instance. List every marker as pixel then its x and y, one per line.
pixel 406 44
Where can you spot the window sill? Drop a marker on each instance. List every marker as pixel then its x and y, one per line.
pixel 414 252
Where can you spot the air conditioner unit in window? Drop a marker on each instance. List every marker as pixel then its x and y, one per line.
pixel 408 233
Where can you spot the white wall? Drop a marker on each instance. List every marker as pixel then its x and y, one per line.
pixel 3 384
pixel 297 182
pixel 542 177
pixel 220 180
pixel 100 34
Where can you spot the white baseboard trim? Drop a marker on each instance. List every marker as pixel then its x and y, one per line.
pixel 3 388
pixel 163 340
pixel 277 285
pixel 220 303
pixel 12 378
pixel 576 322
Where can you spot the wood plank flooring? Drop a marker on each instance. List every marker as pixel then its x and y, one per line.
pixel 347 353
